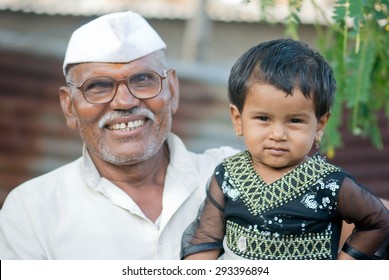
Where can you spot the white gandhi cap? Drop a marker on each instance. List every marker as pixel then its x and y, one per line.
pixel 118 37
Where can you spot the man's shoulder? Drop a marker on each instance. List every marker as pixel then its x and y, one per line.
pixel 199 165
pixel 45 188
pixel 56 177
pixel 220 153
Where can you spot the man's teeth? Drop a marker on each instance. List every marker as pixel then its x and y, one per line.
pixel 128 126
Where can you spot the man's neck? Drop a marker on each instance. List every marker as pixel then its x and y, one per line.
pixel 143 181
pixel 136 173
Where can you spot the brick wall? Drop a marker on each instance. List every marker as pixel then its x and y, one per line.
pixel 34 136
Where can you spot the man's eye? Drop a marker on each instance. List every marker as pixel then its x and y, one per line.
pixel 98 85
pixel 143 79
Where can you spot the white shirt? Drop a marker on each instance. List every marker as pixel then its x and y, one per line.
pixel 73 213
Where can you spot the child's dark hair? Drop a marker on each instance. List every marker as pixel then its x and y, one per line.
pixel 285 64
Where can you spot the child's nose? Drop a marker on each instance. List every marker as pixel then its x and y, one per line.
pixel 278 132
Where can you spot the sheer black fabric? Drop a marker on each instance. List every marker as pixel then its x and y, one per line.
pixel 207 231
pixel 370 217
pixel 284 221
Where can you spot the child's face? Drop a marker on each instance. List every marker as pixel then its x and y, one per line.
pixel 278 129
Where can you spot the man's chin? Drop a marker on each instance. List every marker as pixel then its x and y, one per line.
pixel 122 158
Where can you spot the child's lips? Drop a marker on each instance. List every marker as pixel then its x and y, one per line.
pixel 277 150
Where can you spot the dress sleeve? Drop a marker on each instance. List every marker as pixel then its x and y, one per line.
pixel 371 219
pixel 206 232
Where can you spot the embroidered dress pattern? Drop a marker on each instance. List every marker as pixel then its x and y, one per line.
pixel 257 245
pixel 259 196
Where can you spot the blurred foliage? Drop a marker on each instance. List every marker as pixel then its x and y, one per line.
pixel 356 43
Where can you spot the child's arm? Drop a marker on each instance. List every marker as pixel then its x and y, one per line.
pixel 203 239
pixel 205 255
pixel 347 230
pixel 371 218
pixel 343 256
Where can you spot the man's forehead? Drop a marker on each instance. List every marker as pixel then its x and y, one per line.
pixel 86 69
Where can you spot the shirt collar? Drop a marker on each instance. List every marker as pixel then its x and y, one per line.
pixel 91 174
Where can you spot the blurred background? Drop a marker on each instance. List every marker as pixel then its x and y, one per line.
pixel 204 38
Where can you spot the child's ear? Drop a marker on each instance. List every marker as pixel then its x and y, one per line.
pixel 321 125
pixel 236 119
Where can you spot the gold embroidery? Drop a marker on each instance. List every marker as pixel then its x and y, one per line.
pixel 256 245
pixel 258 196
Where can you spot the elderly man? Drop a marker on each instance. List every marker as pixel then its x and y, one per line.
pixel 136 187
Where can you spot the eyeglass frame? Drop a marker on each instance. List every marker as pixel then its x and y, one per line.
pixel 121 81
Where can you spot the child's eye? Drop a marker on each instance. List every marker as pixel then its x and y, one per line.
pixel 263 118
pixel 296 121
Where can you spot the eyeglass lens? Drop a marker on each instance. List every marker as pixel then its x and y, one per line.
pixel 103 89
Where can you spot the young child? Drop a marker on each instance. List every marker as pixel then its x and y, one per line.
pixel 275 201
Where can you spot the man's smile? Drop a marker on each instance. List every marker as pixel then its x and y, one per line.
pixel 131 125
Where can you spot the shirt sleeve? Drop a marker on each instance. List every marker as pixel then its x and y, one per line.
pixel 371 219
pixel 206 232
pixel 17 236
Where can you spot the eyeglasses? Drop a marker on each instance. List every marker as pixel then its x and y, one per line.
pixel 99 90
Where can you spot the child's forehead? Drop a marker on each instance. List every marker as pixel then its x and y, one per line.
pixel 255 86
pixel 268 96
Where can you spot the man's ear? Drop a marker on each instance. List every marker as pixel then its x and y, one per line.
pixel 67 107
pixel 174 90
pixel 236 119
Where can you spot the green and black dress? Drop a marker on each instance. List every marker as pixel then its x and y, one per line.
pixel 299 216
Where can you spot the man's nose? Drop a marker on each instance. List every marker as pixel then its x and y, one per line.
pixel 123 98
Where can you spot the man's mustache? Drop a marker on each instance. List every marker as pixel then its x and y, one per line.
pixel 113 115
